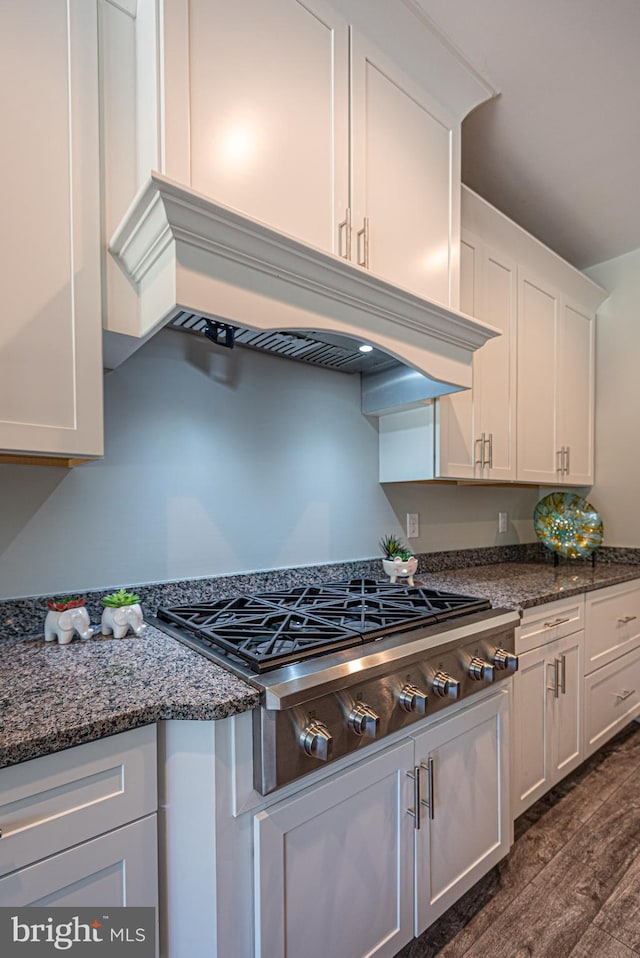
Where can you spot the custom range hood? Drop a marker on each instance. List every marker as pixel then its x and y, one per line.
pixel 187 256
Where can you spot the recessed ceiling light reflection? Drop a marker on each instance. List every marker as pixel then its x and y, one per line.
pixel 365 349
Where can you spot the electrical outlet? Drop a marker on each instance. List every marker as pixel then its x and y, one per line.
pixel 503 519
pixel 413 527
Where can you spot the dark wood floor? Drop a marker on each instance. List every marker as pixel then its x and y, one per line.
pixel 570 887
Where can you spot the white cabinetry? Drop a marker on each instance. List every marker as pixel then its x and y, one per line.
pixel 547 700
pixel 467 829
pixel 556 363
pixel 79 826
pixel 530 413
pixel 335 123
pixel 555 331
pixel 612 662
pixel 50 349
pixel 334 865
pixel 476 428
pixel 338 866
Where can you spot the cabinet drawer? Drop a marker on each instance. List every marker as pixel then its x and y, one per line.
pixel 612 624
pixel 59 800
pixel 612 698
pixel 550 621
pixel 113 870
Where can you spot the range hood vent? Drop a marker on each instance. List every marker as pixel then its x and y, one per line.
pixel 189 259
pixel 307 346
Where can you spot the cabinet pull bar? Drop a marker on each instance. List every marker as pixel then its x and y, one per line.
pixel 490 450
pixel 414 811
pixel 481 441
pixel 627 618
pixel 346 226
pixel 624 694
pixel 567 451
pixel 428 767
pixel 364 233
pixel 555 688
pixel 554 622
pixel 560 461
pixel 563 679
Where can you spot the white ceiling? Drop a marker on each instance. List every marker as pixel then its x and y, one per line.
pixel 558 150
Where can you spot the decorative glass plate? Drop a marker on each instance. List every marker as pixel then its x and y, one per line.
pixel 567 524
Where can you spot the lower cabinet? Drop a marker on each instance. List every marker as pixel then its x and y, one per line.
pixel 79 827
pixel 119 868
pixel 357 865
pixel 547 718
pixel 333 866
pixel 465 825
pixel 612 699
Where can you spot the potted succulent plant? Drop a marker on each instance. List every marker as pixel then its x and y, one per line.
pixel 121 612
pixel 66 615
pixel 398 560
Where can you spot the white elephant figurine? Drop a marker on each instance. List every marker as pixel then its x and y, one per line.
pixel 122 618
pixel 62 625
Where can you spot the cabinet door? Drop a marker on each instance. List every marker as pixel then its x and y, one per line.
pixel 612 699
pixel 333 866
pixel 469 830
pixel 537 445
pixel 455 451
pixel 567 707
pixel 51 341
pixel 576 393
pixel 269 112
pixel 405 164
pixel 119 868
pixel 531 765
pixel 495 368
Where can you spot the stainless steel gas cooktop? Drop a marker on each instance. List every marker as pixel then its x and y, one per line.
pixel 344 663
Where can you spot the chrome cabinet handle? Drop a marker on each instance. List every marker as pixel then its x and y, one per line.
pixel 567 459
pixel 563 679
pixel 414 811
pixel 555 688
pixel 624 694
pixel 627 618
pixel 489 442
pixel 428 767
pixel 560 461
pixel 554 622
pixel 346 226
pixel 364 233
pixel 481 461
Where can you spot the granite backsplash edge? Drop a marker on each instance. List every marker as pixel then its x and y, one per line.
pixel 25 616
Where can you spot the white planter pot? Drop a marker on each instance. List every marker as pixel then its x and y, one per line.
pixel 120 619
pixel 400 568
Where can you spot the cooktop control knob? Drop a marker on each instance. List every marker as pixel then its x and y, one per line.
pixel 363 720
pixel 505 660
pixel 443 684
pixel 317 741
pixel 479 669
pixel 413 699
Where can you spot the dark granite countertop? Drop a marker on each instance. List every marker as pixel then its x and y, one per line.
pixel 521 585
pixel 55 696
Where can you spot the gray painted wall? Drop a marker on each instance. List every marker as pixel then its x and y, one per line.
pixel 219 462
pixel 615 493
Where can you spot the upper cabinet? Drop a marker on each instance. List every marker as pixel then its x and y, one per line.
pixel 338 125
pixel 50 347
pixel 529 416
pixel 556 395
pixel 476 428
